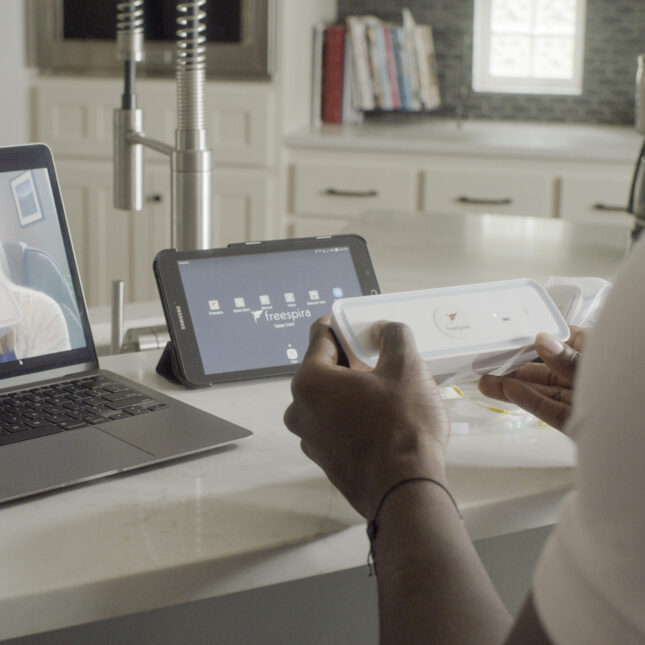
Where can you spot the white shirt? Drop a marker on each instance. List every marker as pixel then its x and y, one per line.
pixel 589 585
pixel 43 329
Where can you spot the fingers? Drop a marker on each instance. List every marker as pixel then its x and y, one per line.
pixel 323 349
pixel 493 387
pixel 561 358
pixel 398 349
pixel 320 359
pixel 290 418
pixel 550 404
pixel 578 337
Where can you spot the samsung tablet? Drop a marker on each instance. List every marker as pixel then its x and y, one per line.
pixel 245 311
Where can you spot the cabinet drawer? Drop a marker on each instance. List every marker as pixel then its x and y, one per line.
pixel 501 191
pixel 75 117
pixel 345 189
pixel 600 198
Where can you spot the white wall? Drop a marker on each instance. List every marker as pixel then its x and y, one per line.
pixel 14 75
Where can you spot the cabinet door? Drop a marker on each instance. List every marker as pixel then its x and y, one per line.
pixel 75 116
pixel 600 198
pixel 500 189
pixel 110 244
pixel 242 208
pixel 237 118
pixel 349 189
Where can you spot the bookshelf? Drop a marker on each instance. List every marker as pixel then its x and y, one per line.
pixel 367 65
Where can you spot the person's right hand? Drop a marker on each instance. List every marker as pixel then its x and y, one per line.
pixel 370 429
pixel 543 389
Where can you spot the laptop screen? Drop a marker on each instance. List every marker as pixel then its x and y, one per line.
pixel 43 320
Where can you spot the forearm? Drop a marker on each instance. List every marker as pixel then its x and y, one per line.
pixel 432 585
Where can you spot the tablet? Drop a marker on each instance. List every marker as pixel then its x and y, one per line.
pixel 244 311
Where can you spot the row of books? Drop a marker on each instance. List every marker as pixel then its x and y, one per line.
pixel 368 65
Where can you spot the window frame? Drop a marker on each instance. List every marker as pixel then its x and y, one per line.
pixel 483 81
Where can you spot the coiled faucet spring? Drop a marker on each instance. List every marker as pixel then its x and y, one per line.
pixel 129 30
pixel 191 64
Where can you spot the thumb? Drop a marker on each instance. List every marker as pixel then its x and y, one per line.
pixel 561 358
pixel 398 349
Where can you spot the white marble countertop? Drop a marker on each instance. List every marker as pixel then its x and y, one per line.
pixel 245 517
pixel 516 139
pixel 419 251
pixel 260 513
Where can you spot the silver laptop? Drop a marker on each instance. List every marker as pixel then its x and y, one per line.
pixel 62 419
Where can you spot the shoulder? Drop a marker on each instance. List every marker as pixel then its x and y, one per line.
pixel 590 581
pixel 32 301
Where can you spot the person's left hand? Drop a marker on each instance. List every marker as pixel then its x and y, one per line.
pixel 543 389
pixel 369 430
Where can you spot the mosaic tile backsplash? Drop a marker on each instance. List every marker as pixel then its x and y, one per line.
pixel 615 35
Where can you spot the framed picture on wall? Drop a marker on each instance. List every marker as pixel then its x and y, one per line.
pixel 26 198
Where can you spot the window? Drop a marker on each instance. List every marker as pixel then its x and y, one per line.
pixel 528 46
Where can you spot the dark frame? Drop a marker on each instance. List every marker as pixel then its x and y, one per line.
pixel 252 58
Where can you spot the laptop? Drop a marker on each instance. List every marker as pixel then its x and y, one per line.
pixel 62 419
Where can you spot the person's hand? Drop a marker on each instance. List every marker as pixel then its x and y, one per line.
pixel 369 429
pixel 543 389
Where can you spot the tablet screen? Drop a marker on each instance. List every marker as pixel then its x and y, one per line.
pixel 253 311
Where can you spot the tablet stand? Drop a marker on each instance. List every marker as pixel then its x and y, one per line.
pixel 168 365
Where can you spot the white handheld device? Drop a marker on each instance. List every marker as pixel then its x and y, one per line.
pixel 461 332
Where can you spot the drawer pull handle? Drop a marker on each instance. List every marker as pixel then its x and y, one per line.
pixel 505 201
pixel 334 192
pixel 600 206
pixel 154 199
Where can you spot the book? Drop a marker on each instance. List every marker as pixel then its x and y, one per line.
pixel 350 111
pixel 361 68
pixel 411 54
pixel 332 74
pixel 390 68
pixel 402 68
pixel 377 64
pixel 316 74
pixel 379 34
pixel 428 77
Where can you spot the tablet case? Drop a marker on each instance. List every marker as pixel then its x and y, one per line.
pixel 168 367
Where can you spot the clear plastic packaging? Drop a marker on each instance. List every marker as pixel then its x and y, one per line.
pixel 462 332
pixel 471 412
pixel 579 300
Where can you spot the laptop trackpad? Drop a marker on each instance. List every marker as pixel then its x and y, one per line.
pixel 64 458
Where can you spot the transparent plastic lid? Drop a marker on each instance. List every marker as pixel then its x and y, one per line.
pixel 477 328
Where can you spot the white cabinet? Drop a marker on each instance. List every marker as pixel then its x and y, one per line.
pixel 327 190
pixel 487 187
pixel 573 172
pixel 346 189
pixel 596 197
pixel 116 245
pixel 111 244
pixel 242 206
pixel 75 118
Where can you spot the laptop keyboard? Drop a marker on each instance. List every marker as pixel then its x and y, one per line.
pixel 69 405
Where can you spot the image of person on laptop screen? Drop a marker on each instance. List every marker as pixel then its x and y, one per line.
pixel 31 323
